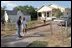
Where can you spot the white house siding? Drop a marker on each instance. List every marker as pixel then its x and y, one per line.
pixel 43 15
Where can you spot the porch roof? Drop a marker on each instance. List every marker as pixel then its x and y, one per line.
pixel 45 9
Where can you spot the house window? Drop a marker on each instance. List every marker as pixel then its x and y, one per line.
pixel 47 14
pixel 39 14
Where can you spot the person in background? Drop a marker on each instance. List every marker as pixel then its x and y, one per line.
pixel 9 20
pixel 24 25
pixel 19 23
pixel 3 21
pixel 44 20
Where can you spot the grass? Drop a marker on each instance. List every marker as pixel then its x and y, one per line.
pixel 10 29
pixel 33 23
pixel 38 44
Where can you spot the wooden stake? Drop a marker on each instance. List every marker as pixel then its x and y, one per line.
pixel 51 27
pixel 66 28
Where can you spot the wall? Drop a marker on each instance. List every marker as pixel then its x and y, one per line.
pixel 42 16
pixel 14 18
pixel 28 17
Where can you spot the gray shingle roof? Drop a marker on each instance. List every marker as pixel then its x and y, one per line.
pixel 14 12
pixel 11 12
pixel 25 13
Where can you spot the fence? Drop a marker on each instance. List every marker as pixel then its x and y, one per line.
pixel 64 29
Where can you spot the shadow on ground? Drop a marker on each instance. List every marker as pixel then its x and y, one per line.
pixel 16 44
pixel 38 34
pixel 38 26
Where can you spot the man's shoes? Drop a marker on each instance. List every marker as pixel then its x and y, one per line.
pixel 20 36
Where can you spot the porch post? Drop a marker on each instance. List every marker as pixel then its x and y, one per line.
pixel 42 14
pixel 37 16
pixel 46 15
pixel 51 13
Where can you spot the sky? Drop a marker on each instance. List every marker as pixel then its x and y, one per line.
pixel 36 4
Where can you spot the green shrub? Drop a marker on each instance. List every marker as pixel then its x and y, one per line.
pixel 38 44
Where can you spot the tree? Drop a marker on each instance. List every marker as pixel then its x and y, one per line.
pixel 2 13
pixel 2 10
pixel 57 12
pixel 28 9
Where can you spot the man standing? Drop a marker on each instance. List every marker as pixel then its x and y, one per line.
pixel 19 26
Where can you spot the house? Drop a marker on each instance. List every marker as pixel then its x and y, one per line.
pixel 13 15
pixel 67 12
pixel 24 14
pixel 46 11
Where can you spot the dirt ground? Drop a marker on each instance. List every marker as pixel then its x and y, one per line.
pixel 57 37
